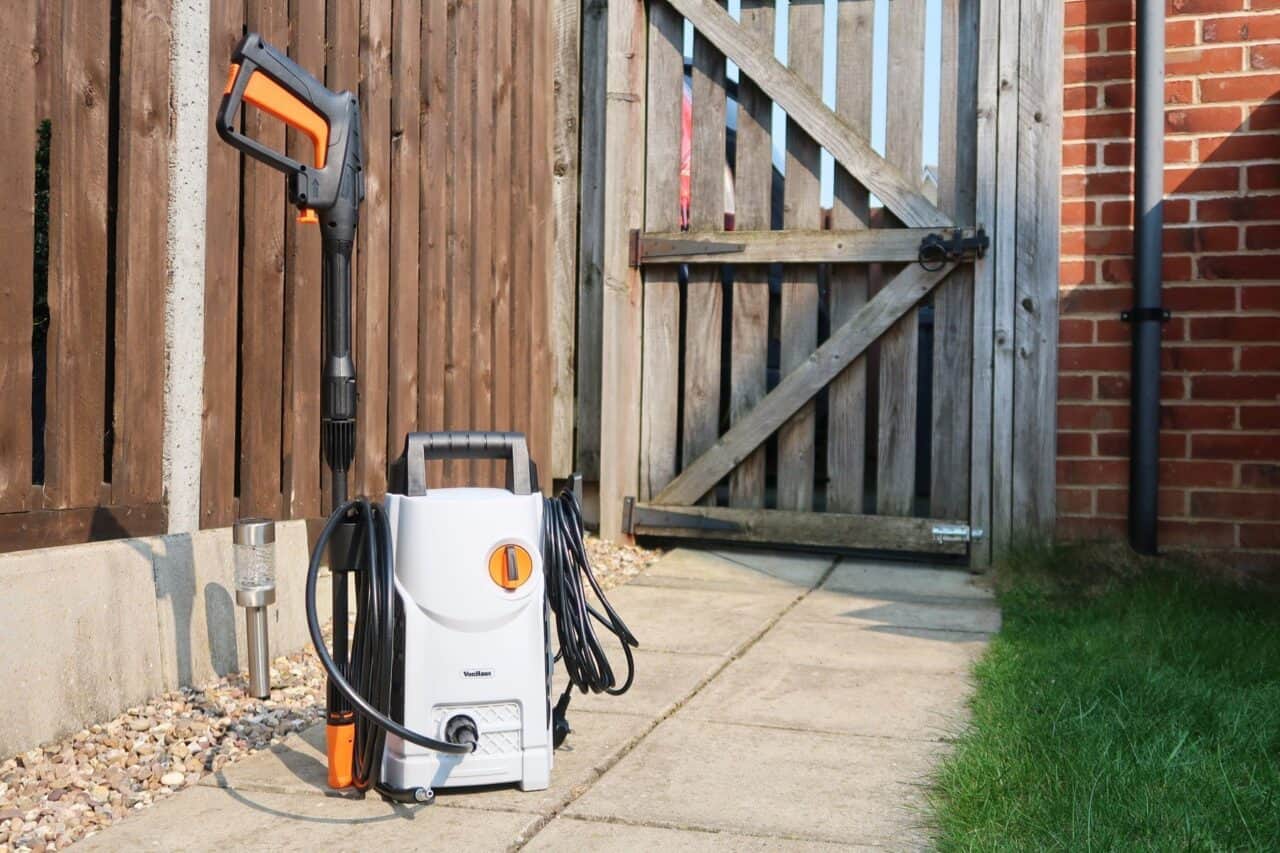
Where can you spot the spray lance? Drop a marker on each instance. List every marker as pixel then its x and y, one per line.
pixel 363 680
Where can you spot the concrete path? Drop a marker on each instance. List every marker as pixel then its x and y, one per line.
pixel 784 702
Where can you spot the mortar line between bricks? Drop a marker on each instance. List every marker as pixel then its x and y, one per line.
pixel 621 752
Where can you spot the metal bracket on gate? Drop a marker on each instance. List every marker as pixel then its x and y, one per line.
pixel 943 533
pixel 645 249
pixel 634 516
pixel 937 250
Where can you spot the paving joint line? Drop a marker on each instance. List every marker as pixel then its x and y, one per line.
pixel 621 752
pixel 611 820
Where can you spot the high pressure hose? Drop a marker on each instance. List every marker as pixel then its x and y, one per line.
pixel 367 681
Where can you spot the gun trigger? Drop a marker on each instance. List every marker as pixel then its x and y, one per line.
pixel 308 216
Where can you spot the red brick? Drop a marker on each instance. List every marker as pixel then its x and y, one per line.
pixel 1095 300
pixel 1263 177
pixel 1072 472
pixel 1121 153
pixel 1203 120
pixel 1109 183
pixel 1075 444
pixel 1262 237
pixel 1250 87
pixel 1112 330
pixel 1256 267
pixel 1252 27
pixel 1260 418
pixel 1260 5
pixel 1193 359
pixel 1172 445
pixel 1197 417
pixel 1200 298
pixel 1260 475
pixel 1235 387
pixel 1264 56
pixel 1075 387
pixel 1113 387
pixel 1236 505
pixel 1197 61
pixel 1172 502
pixel 1203 179
pixel 1119 96
pixel 1264 298
pixel 1253 146
pixel 1097 126
pixel 1191 534
pixel 1092 417
pixel 1237 208
pixel 1081 41
pixel 1121 269
pixel 1176 210
pixel 1173 387
pixel 1202 7
pixel 1260 535
pixel 1204 474
pixel 1072 331
pixel 1078 13
pixel 1095 68
pixel 1075 527
pixel 1075 501
pixel 1093 358
pixel 1079 154
pixel 1222 238
pixel 1076 98
pixel 1235 328
pixel 1261 359
pixel 1076 272
pixel 1236 446
pixel 1265 117
pixel 1099 241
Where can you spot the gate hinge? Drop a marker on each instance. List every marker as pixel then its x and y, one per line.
pixel 938 250
pixel 943 533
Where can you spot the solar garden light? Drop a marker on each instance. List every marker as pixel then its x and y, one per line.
pixel 254 546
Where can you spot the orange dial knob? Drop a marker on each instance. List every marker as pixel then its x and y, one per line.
pixel 510 566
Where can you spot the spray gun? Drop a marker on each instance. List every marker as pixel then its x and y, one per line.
pixel 327 192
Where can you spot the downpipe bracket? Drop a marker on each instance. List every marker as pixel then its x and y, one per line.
pixel 1146 315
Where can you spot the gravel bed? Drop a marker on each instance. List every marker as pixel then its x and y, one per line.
pixel 58 793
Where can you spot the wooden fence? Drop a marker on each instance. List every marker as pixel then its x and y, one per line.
pixel 453 261
pixel 83 205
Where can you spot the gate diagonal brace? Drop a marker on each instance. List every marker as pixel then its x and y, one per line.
pixel 937 250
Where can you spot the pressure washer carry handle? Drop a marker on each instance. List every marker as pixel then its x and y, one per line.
pixel 333 183
pixel 468 444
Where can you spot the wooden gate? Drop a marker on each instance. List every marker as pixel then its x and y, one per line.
pixel 810 378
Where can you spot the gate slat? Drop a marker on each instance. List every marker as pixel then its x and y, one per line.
pixel 263 298
pixel 704 295
pixel 18 41
pixel 78 253
pixel 953 301
pixel 899 349
pixel 221 294
pixel 847 397
pixel 503 364
pixel 540 376
pixel 799 320
pixel 753 192
pixel 522 253
pixel 457 386
pixel 434 182
pixel 661 353
pixel 482 283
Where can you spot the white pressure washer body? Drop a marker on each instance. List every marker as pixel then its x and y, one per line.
pixel 475 653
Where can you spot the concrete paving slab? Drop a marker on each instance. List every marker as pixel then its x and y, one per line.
pixel 761 781
pixel 296 767
pixel 213 819
pixel 696 620
pixel 567 833
pixel 881 647
pixel 969 615
pixel 902 581
pixel 736 572
pixel 663 679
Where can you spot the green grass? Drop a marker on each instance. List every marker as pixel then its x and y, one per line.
pixel 1124 705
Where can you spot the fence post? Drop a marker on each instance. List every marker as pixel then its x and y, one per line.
pixel 184 295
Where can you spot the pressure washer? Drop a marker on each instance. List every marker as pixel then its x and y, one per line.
pixel 446 679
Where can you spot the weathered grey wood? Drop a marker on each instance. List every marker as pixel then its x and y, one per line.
pixel 824 531
pixel 847 396
pixel 623 292
pixel 799 246
pixel 899 350
pixel 798 324
pixel 595 50
pixel 984 281
pixel 953 301
pixel 704 298
pixel 753 188
pixel 564 209
pixel 661 388
pixel 1036 302
pixel 1004 258
pixel 893 186
pixel 845 344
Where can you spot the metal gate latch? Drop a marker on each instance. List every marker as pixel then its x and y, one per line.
pixel 943 533
pixel 936 250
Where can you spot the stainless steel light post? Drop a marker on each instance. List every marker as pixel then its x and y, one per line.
pixel 254 545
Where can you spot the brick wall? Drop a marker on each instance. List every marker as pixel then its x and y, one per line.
pixel 1220 433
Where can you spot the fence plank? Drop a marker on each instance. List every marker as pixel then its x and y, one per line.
pixel 564 219
pixel 434 170
pixel 704 294
pixel 301 424
pixel 263 298
pixel 953 328
pixel 622 309
pixel 457 385
pixel 402 405
pixel 503 364
pixel 846 343
pixel 541 378
pixel 895 188
pixel 522 252
pixel 798 329
pixel 1036 308
pixel 661 297
pixel 78 238
pixel 18 59
pixel 753 193
pixel 482 282
pixel 899 351
pixel 595 49
pixel 221 293
pixel 847 397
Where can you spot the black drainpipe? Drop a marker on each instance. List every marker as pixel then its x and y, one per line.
pixel 1147 314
